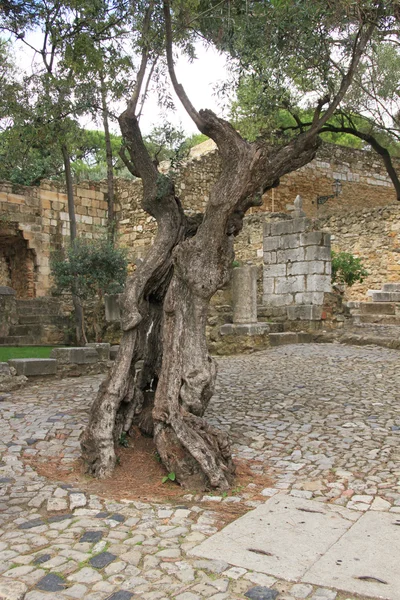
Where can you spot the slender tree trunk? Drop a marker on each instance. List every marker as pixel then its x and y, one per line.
pixel 109 161
pixel 78 309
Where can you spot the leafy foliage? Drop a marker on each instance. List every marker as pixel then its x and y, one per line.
pixel 347 269
pixel 89 269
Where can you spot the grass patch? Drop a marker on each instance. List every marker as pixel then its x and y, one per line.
pixel 8 352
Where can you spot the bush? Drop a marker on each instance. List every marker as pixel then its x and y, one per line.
pixel 347 269
pixel 89 268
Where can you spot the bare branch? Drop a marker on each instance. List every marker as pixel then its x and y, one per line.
pixel 180 92
pixel 143 63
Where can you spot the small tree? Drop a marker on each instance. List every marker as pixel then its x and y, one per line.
pixel 89 270
pixel 347 269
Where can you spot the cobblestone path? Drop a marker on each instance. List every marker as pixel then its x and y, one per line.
pixel 322 420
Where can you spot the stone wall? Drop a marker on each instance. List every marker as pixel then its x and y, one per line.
pixel 34 221
pixel 374 236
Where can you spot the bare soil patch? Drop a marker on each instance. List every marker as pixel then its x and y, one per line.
pixel 139 474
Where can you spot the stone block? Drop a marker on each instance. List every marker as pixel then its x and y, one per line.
pixel 304 312
pixel 5 290
pixel 291 255
pixel 287 285
pixel 4 368
pixel 278 299
pixel 266 229
pixel 113 312
pixel 309 298
pixel 31 367
pixel 103 350
pixel 328 268
pixel 318 253
pixel 77 356
pixel 282 227
pixel 114 352
pixel 311 238
pixel 305 268
pixel 281 339
pixel 270 258
pixel 275 270
pixel 376 308
pixel 268 285
pixel 271 243
pixel 386 297
pixel 245 329
pixel 290 241
pixel 387 287
pixel 301 224
pixel 318 283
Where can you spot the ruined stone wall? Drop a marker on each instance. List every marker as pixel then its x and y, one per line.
pixel 374 236
pixel 34 221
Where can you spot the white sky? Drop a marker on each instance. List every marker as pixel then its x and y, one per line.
pixel 198 78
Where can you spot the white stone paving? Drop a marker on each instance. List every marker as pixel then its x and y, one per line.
pixel 322 420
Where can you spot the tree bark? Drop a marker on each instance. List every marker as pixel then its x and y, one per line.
pixel 78 309
pixel 109 161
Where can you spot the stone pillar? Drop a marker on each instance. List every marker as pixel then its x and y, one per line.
pixel 297 267
pixel 113 312
pixel 244 294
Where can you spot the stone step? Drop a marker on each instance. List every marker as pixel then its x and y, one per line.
pixel 17 340
pixel 273 327
pixel 386 297
pixel 391 287
pixel 31 367
pixel 378 319
pixel 377 308
pixel 20 330
pixel 290 337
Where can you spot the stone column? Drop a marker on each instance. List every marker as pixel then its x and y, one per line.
pixel 244 294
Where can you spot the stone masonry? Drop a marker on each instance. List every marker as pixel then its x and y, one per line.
pixel 34 221
pixel 297 267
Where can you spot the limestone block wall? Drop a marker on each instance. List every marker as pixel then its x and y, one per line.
pixel 297 263
pixel 34 221
pixel 374 236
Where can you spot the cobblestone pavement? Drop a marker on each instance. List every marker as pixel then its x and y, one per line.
pixel 323 420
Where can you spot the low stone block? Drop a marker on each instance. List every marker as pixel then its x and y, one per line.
pixel 391 287
pixel 304 312
pixel 301 224
pixel 268 284
pixel 281 339
pixel 275 270
pixel 292 255
pixel 270 258
pixel 5 290
pixel 113 352
pixel 77 356
pixel 31 367
pixel 290 241
pixel 103 350
pixel 309 298
pixel 278 299
pixel 271 243
pixel 377 308
pixel 386 297
pixel 4 368
pixel 245 329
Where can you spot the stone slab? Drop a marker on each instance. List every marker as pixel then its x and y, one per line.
pixel 4 368
pixel 77 356
pixel 112 305
pixel 284 537
pixel 31 367
pixel 391 287
pixel 260 328
pixel 103 349
pixel 370 549
pixel 5 290
pixel 386 297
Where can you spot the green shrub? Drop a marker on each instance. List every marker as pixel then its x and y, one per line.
pixel 347 269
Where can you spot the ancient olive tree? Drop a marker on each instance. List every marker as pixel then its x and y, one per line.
pixel 166 300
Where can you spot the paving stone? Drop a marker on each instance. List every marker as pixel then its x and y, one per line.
pixel 121 595
pixel 301 590
pixel 261 593
pixel 77 501
pixel 102 560
pixel 51 583
pixel 85 575
pixel 39 560
pixel 91 536
pixel 12 590
pixel 31 524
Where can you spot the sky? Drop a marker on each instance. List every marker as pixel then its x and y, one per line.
pixel 199 79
